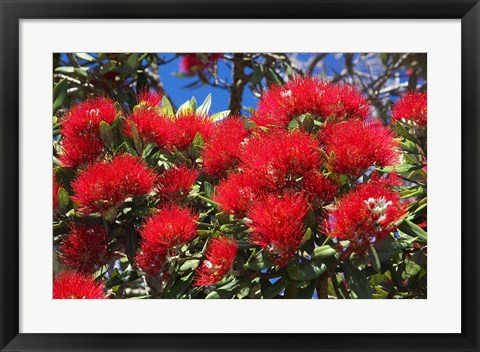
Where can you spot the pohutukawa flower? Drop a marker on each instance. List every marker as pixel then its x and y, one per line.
pixel 222 150
pixel 153 126
pixel 302 95
pixel 220 256
pixel 85 248
pixel 319 189
pixel 366 215
pixel 354 146
pixel 236 193
pixel 77 151
pixel 171 226
pixel 81 141
pixel 175 183
pixel 411 109
pixel 104 185
pixel 152 257
pixel 149 98
pixel 56 188
pixel 196 63
pixel 278 159
pixel 75 285
pixel 185 127
pixel 278 225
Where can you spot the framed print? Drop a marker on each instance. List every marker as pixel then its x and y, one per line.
pixel 239 176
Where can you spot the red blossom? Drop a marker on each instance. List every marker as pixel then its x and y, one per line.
pixel 171 226
pixel 220 256
pixel 411 109
pixel 278 225
pixel 81 141
pixel 153 126
pixel 185 127
pixel 107 184
pixel 56 188
pixel 354 146
pixel 152 257
pixel 366 215
pixel 175 183
pixel 222 150
pixel 149 98
pixel 75 285
pixel 196 63
pixel 85 248
pixel 302 95
pixel 277 159
pixel 319 189
pixel 80 150
pixel 236 193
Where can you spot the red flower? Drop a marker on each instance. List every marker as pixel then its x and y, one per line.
pixel 278 225
pixel 171 226
pixel 280 104
pixel 236 193
pixel 152 126
pixel 278 159
pixel 56 188
pixel 319 189
pixel 84 118
pixel 81 141
pixel 354 146
pixel 175 183
pixel 411 109
pixel 366 215
pixel 149 98
pixel 220 255
pixel 195 63
pixel 107 184
pixel 191 64
pixel 85 248
pixel 74 285
pixel 152 257
pixel 185 127
pixel 81 150
pixel 222 150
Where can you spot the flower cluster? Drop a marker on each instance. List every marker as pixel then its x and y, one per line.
pixel 169 227
pixel 175 183
pixel 81 143
pixel 220 256
pixel 197 63
pixel 107 184
pixel 75 285
pixel 85 248
pixel 411 109
pixel 366 215
pixel 309 95
pixel 56 188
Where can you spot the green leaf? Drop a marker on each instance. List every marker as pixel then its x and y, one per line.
pixel 132 61
pixel 167 107
pixel 413 230
pixel 389 247
pixel 205 107
pixel 185 108
pixel 180 286
pixel 189 264
pixel 272 290
pixel 401 168
pixel 106 134
pixel 374 260
pixel 137 139
pixel 108 66
pixel 63 200
pixel 412 268
pixel 193 104
pixel 85 57
pixel 65 69
pixel 123 278
pixel 208 187
pixel 324 251
pixel 260 262
pixel 111 214
pixel 219 116
pixel 305 271
pixel 357 281
pixel 59 94
pixel 275 77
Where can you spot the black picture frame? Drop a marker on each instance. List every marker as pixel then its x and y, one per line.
pixel 13 10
